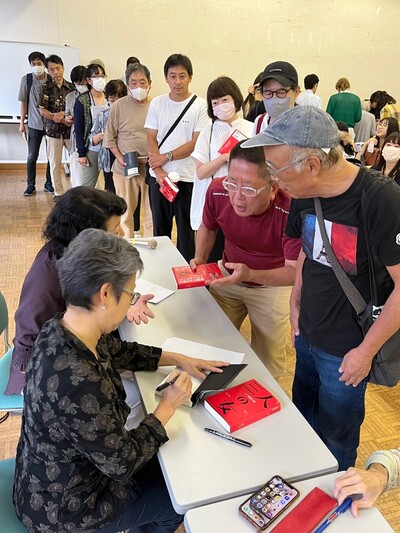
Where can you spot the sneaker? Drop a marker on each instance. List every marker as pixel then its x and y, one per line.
pixel 48 187
pixel 30 190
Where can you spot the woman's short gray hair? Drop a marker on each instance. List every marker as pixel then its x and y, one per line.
pixel 328 160
pixel 93 258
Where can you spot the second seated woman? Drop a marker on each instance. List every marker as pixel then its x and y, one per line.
pixel 224 102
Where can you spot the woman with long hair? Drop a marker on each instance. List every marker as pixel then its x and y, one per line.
pixel 371 150
pixel 389 161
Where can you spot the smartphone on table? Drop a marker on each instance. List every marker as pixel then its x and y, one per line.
pixel 271 500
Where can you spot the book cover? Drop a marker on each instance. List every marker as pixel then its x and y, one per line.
pixel 235 137
pixel 169 189
pixel 132 165
pixel 185 277
pixel 213 382
pixel 242 405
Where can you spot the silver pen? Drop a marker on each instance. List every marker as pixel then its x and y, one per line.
pixel 228 437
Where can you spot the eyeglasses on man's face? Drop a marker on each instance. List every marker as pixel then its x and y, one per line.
pixel 275 171
pixel 280 93
pixel 251 192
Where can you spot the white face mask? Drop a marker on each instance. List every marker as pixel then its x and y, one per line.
pixel 98 84
pixel 81 88
pixel 225 111
pixel 139 93
pixel 38 70
pixel 276 106
pixel 391 154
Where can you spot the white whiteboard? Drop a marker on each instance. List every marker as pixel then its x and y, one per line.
pixel 14 63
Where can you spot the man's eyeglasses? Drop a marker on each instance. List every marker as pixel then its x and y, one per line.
pixel 280 93
pixel 275 171
pixel 134 295
pixel 246 191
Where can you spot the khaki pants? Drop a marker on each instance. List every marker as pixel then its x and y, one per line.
pixel 54 155
pixel 268 310
pixel 129 189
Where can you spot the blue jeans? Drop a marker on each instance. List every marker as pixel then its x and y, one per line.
pixel 334 410
pixel 34 140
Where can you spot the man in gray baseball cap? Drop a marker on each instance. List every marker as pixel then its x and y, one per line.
pixel 333 358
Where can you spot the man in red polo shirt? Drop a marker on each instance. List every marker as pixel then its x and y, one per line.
pixel 259 259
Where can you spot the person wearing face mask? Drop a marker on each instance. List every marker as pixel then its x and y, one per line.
pixel 279 88
pixel 29 95
pixel 57 123
pixel 114 90
pixel 224 101
pixel 87 106
pixel 389 161
pixel 78 79
pixel 371 150
pixel 125 133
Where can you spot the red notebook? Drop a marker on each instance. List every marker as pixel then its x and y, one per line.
pixel 185 277
pixel 242 405
pixel 307 514
pixel 234 138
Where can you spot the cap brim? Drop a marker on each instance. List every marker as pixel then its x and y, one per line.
pixel 262 139
pixel 285 82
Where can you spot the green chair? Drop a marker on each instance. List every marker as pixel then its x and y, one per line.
pixel 9 523
pixel 13 402
pixel 4 320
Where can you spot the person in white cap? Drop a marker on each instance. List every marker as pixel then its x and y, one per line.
pixel 333 358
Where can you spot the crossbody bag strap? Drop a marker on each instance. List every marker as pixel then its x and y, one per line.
pixel 174 125
pixel 352 293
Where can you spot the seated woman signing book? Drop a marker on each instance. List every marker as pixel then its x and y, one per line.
pixel 78 468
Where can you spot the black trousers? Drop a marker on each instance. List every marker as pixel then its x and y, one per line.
pixel 34 140
pixel 164 212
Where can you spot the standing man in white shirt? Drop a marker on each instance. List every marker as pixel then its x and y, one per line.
pixel 309 97
pixel 174 153
pixel 29 95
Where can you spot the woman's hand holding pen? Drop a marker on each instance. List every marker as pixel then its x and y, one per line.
pixel 173 396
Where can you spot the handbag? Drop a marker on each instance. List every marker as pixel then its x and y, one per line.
pixel 148 176
pixel 385 369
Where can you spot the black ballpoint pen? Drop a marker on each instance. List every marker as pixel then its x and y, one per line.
pixel 228 437
pixel 166 384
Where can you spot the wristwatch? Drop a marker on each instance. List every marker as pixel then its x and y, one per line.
pixel 135 298
pixel 169 156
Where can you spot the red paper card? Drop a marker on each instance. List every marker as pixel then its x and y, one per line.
pixel 169 189
pixel 234 138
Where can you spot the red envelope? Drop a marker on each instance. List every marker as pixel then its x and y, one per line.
pixel 307 514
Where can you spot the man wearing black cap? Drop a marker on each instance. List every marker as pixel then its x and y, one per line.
pixel 279 88
pixel 333 358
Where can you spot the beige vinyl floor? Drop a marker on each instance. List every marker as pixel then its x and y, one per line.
pixel 21 221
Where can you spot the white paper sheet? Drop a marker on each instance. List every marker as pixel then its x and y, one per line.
pixel 201 351
pixel 146 287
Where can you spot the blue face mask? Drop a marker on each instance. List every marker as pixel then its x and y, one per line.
pixel 275 106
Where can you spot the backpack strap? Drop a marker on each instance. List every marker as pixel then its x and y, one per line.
pixel 29 82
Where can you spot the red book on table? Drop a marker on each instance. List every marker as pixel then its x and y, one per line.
pixel 185 277
pixel 239 406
